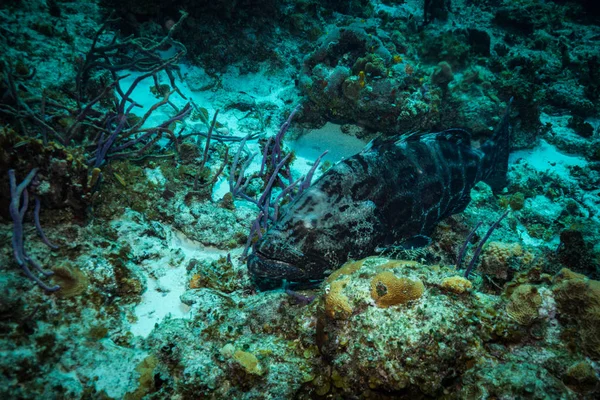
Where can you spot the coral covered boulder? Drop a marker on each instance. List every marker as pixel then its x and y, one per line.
pixel 578 301
pixel 393 329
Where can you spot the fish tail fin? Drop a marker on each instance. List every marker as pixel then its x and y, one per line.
pixel 496 149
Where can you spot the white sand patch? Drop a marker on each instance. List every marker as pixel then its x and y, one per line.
pixel 112 366
pixel 162 298
pixel 546 157
pixel 262 85
pixel 194 249
pixel 220 188
pixel 331 138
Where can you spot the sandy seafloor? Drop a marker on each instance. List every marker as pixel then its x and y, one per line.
pixel 155 310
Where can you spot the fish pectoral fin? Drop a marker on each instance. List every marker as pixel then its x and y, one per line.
pixel 462 204
pixel 415 242
pixel 406 248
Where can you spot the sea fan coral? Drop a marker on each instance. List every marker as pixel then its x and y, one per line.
pixel 72 281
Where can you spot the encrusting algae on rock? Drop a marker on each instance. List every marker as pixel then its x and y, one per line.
pixel 248 361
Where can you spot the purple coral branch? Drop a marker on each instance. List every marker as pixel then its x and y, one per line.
pixel 163 127
pixel 205 155
pixel 265 156
pixel 237 186
pixel 240 188
pixel 307 180
pixel 463 249
pixel 38 225
pixel 19 200
pixel 281 196
pixel 482 242
pixel 266 196
pixel 273 169
pixel 208 137
pixel 254 231
pixel 277 152
pixel 105 149
pixel 105 145
pixel 277 143
pixel 233 183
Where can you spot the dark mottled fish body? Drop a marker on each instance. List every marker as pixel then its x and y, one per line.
pixel 393 192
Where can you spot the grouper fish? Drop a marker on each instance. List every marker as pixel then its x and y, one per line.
pixel 392 193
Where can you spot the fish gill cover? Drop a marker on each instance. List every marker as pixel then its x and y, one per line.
pixel 299 199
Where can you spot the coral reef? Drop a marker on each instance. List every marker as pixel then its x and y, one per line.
pixel 501 260
pixel 582 378
pixel 154 130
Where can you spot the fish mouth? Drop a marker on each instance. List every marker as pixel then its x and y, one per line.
pixel 271 266
pixel 270 273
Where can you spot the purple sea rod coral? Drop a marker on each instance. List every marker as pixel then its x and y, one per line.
pixel 18 206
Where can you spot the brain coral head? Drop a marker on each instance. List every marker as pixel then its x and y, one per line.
pixel 524 304
pixel 388 290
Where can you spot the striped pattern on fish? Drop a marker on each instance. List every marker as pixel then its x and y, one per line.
pixel 394 192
